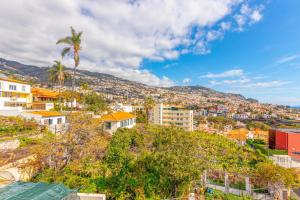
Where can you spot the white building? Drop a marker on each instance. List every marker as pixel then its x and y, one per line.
pixel 118 120
pixel 14 95
pixel 55 121
pixel 170 115
pixel 122 107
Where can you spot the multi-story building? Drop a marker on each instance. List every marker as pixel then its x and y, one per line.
pixel 170 115
pixel 14 95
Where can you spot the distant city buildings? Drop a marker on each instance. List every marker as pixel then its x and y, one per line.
pixel 19 99
pixel 122 107
pixel 167 115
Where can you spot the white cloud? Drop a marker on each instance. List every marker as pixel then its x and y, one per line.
pixel 225 74
pixel 186 80
pixel 269 84
pixel 248 15
pixel 256 16
pixel 225 25
pixel 287 59
pixel 170 65
pixel 117 35
pixel 238 79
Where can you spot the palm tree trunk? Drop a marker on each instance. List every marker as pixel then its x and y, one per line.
pixel 59 91
pixel 73 80
pixel 73 86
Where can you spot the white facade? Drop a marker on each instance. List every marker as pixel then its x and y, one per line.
pixel 45 120
pixel 112 126
pixel 285 161
pixel 122 107
pixel 14 95
pixel 170 115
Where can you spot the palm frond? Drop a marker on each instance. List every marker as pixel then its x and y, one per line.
pixel 65 51
pixel 65 40
pixel 78 37
pixel 73 32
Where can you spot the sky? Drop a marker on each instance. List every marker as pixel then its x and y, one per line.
pixel 251 47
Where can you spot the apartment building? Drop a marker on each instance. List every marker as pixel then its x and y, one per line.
pixel 171 115
pixel 14 94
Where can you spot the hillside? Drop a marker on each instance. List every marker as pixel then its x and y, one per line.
pixel 110 84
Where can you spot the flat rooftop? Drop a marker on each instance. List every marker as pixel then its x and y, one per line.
pixel 289 130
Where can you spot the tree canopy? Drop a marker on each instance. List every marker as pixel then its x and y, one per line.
pixel 147 162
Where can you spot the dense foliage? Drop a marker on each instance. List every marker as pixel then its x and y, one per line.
pixel 141 117
pixel 146 162
pixel 251 125
pixel 220 122
pixel 94 102
pixel 16 126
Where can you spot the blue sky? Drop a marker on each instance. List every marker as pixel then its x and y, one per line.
pixel 261 62
pixel 251 47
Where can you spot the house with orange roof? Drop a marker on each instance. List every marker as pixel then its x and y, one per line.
pixel 54 120
pixel 14 94
pixel 43 99
pixel 117 120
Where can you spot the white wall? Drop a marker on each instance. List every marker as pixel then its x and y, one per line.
pixel 20 88
pixel 118 124
pixel 55 119
pixel 4 86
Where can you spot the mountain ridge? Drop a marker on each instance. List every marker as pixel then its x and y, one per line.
pixel 109 82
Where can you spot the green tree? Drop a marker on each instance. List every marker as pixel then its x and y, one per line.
pixel 257 125
pixel 141 117
pixel 74 46
pixel 152 162
pixel 95 102
pixel 58 74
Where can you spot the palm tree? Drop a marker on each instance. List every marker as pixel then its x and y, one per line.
pixel 148 105
pixel 58 75
pixel 73 48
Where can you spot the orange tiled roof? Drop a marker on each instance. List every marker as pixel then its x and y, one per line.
pixel 12 80
pixel 41 92
pixel 46 113
pixel 117 116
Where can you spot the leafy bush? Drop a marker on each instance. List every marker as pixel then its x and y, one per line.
pixel 221 195
pixel 16 125
pixel 95 102
pixel 25 141
pixel 251 125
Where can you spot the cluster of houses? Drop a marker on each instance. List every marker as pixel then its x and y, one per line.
pixel 18 98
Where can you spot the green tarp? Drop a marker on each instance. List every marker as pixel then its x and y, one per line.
pixel 34 191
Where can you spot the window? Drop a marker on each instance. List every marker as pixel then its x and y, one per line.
pixel 108 125
pixel 12 87
pixel 23 88
pixel 50 121
pixel 59 120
